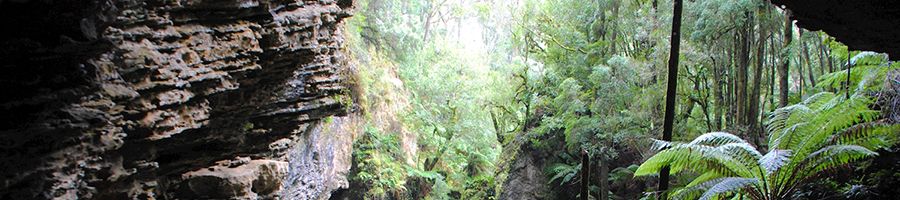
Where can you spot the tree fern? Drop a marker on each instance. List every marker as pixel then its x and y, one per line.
pixel 822 133
pixel 728 184
pixel 774 160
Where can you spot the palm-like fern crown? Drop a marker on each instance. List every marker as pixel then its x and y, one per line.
pixel 823 132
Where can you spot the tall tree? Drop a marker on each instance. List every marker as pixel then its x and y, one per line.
pixel 785 62
pixel 741 69
pixel 806 59
pixel 822 58
pixel 753 111
pixel 585 175
pixel 671 87
pixel 717 90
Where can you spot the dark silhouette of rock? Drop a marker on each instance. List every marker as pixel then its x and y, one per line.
pixel 861 25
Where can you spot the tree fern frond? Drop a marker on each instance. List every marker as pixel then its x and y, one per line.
pixel 774 160
pixel 828 122
pixel 716 139
pixel 727 185
pixel 835 155
pixel 659 145
pixel 703 178
pixel 783 119
pixel 788 137
pixel 818 99
pixel 747 154
pixel 694 158
pixel 872 135
pixel 693 191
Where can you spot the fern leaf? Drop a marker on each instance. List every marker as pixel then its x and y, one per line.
pixel 743 152
pixel 836 155
pixel 716 139
pixel 727 185
pixel 774 160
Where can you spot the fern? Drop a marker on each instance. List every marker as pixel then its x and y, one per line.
pixel 818 135
pixel 564 171
pixel 725 185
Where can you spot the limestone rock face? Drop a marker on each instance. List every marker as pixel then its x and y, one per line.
pixel 172 99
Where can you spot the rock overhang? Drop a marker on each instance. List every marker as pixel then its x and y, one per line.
pixel 871 25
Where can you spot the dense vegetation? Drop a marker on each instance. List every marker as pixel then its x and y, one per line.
pixel 455 92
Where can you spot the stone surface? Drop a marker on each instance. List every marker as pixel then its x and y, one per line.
pixel 321 165
pixel 161 99
pixel 525 178
pixel 862 25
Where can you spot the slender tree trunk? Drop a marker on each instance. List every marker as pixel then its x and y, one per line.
pixel 806 59
pixel 849 65
pixel 800 75
pixel 604 180
pixel 783 71
pixel 821 58
pixel 742 69
pixel 717 89
pixel 730 91
pixel 671 87
pixel 753 114
pixel 828 56
pixel 613 28
pixel 585 175
pixel 527 98
pixel 772 66
pixel 427 27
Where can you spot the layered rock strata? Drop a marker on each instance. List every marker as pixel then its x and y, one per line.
pixel 170 99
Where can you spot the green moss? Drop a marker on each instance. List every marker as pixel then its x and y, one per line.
pixel 247 126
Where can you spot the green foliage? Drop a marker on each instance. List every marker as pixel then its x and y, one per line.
pixel 806 140
pixel 375 153
pixel 445 98
pixel 563 173
pixel 868 74
pixel 480 187
pixel 446 84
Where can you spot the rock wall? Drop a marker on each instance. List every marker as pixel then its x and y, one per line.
pixel 522 171
pixel 526 179
pixel 166 99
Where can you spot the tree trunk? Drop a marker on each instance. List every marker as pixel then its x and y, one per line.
pixel 741 72
pixel 828 56
pixel 729 90
pixel 772 76
pixel 806 59
pixel 717 89
pixel 753 111
pixel 785 63
pixel 671 87
pixel 821 58
pixel 585 175
pixel 849 65
pixel 604 180
pixel 800 74
pixel 614 27
pixel 427 26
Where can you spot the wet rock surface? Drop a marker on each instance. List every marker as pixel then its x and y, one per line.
pixel 122 99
